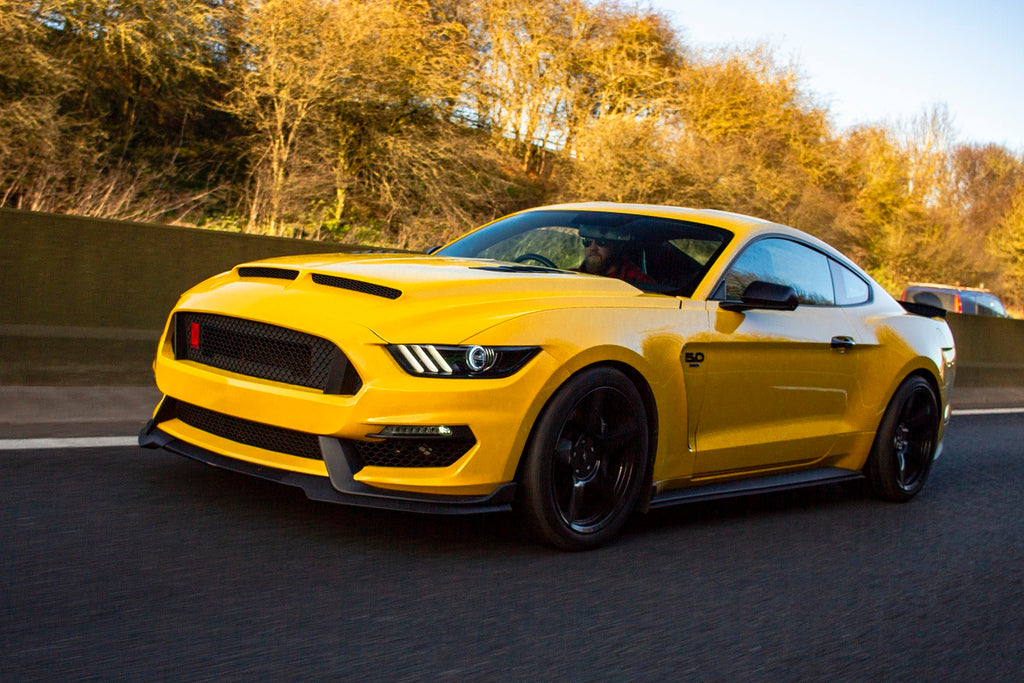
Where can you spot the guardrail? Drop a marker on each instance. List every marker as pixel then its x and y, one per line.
pixel 84 299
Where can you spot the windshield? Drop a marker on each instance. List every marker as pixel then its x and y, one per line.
pixel 654 254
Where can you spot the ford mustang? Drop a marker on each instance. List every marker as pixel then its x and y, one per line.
pixel 573 364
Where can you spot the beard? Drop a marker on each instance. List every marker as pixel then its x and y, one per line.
pixel 595 264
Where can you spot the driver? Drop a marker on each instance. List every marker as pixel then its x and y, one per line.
pixel 605 254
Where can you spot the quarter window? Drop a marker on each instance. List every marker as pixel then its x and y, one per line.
pixel 850 288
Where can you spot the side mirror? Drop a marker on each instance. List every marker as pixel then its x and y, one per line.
pixel 431 250
pixel 765 296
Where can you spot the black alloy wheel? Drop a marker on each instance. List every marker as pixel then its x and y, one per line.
pixel 587 461
pixel 905 445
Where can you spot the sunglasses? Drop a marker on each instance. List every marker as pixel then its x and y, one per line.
pixel 587 241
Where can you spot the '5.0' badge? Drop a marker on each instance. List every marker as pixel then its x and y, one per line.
pixel 693 358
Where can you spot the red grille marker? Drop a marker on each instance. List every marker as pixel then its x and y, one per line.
pixel 193 335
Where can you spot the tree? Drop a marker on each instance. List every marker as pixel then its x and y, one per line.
pixel 286 72
pixel 521 86
pixel 139 63
pixel 1006 242
pixel 983 185
pixel 333 71
pixel 624 139
pixel 34 144
pixel 902 218
pixel 761 144
pixel 110 91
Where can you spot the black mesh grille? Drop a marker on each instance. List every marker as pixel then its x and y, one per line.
pixel 357 286
pixel 262 350
pixel 411 452
pixel 264 271
pixel 256 434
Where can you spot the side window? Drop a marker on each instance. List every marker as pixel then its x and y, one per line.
pixel 968 303
pixel 783 262
pixel 991 305
pixel 850 288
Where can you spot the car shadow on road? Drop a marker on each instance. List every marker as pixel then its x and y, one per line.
pixel 755 506
pixel 274 510
pixel 266 506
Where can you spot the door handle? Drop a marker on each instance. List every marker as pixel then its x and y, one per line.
pixel 842 343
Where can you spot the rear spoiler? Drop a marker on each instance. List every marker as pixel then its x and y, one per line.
pixel 923 309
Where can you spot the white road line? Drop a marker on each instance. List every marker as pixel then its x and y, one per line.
pixel 125 441
pixel 71 442
pixel 989 411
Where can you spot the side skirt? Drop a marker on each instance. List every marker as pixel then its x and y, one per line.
pixel 746 487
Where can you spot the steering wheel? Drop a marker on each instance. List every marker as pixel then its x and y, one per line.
pixel 530 256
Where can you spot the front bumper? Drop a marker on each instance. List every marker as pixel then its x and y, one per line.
pixel 489 416
pixel 340 486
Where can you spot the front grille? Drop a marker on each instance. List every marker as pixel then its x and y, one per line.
pixel 265 271
pixel 356 286
pixel 265 351
pixel 411 452
pixel 256 434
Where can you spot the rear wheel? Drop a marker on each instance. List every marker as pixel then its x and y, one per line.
pixel 905 444
pixel 586 462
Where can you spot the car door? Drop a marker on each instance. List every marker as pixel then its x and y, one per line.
pixel 777 382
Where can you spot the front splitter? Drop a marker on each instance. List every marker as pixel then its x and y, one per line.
pixel 341 487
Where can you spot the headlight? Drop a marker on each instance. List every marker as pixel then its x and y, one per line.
pixel 432 360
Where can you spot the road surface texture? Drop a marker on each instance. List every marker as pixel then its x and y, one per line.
pixel 120 562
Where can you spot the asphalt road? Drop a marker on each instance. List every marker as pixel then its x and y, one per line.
pixel 128 563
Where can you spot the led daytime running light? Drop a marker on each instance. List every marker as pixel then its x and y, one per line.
pixel 476 361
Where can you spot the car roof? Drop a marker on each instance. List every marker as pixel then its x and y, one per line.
pixel 740 225
pixel 736 223
pixel 946 288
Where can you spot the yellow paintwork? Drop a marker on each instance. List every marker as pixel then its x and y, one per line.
pixel 770 396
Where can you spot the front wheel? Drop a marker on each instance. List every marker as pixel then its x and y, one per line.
pixel 905 443
pixel 586 462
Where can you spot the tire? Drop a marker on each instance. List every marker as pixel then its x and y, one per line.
pixel 586 462
pixel 904 447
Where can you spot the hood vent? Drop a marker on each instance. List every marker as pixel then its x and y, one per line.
pixel 519 269
pixel 356 286
pixel 264 271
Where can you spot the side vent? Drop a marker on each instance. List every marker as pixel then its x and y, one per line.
pixel 264 271
pixel 356 286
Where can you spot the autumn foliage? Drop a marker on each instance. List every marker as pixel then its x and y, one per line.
pixel 405 122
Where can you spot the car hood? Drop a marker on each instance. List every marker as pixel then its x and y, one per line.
pixel 406 298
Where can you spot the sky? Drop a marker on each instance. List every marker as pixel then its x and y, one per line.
pixel 884 62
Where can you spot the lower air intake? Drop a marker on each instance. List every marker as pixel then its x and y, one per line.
pixel 255 434
pixel 411 452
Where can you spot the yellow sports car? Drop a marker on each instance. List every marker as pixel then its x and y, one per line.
pixel 570 363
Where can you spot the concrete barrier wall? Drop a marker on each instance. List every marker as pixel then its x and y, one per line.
pixel 84 300
pixel 68 270
pixel 990 351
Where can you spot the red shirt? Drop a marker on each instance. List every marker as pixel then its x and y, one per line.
pixel 627 270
